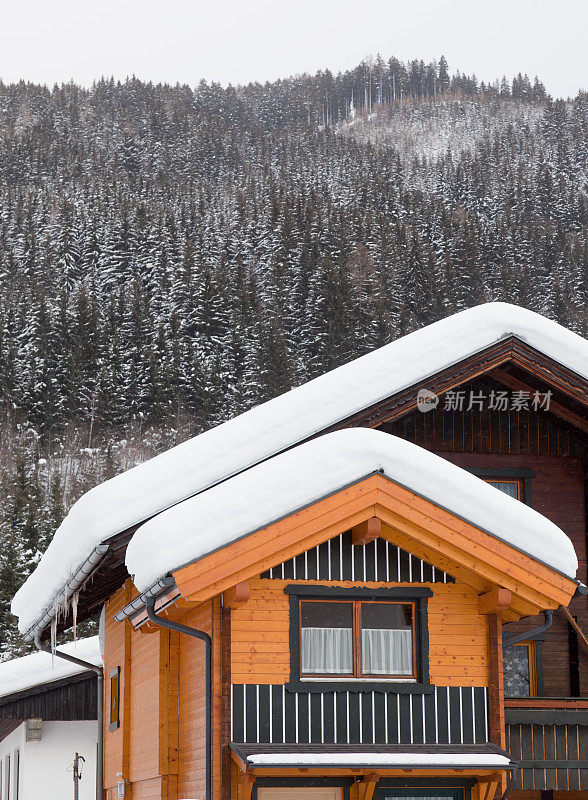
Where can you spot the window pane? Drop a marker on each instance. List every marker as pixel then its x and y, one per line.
pixel 327 638
pixel 386 638
pixel 417 797
pixel 517 681
pixel 508 487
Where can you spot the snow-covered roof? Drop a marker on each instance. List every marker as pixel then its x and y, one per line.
pixel 299 477
pixel 39 668
pixel 267 429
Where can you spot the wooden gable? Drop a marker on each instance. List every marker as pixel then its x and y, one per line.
pixel 410 522
pixel 339 559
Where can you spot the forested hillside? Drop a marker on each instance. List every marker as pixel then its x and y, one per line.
pixel 170 256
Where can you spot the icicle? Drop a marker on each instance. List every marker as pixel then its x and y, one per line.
pixel 53 639
pixel 74 614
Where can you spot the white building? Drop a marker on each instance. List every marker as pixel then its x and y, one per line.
pixel 47 716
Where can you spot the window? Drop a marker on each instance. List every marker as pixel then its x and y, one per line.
pixel 7 777
pixel 357 637
pixel 514 481
pixel 520 670
pixel 510 486
pixel 16 774
pixel 114 699
pixel 347 636
pixel 433 793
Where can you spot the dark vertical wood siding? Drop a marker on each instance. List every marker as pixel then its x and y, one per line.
pixel 551 756
pixel 556 452
pixel 270 713
pixel 73 699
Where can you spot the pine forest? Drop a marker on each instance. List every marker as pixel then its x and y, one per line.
pixel 171 256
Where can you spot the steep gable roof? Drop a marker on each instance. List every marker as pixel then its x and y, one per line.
pixel 258 434
pixel 280 488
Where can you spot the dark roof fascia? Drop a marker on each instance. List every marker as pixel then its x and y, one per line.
pixel 511 349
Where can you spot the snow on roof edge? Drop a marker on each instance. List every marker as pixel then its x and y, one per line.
pixel 265 430
pixel 301 476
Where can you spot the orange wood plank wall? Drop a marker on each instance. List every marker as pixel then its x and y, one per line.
pixel 159 747
pixel 458 643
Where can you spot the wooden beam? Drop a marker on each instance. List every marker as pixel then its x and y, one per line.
pixel 554 408
pixel 496 725
pixel 366 786
pixel 576 627
pixel 487 787
pixel 494 601
pixel 366 531
pixel 236 595
pixel 245 786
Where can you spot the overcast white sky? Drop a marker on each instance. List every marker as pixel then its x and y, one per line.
pixel 236 41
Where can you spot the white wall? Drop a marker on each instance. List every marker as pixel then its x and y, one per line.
pixel 46 767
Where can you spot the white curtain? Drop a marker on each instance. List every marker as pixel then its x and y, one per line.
pixel 386 652
pixel 327 651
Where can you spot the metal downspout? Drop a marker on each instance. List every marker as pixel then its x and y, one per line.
pixel 515 638
pixel 99 706
pixel 204 637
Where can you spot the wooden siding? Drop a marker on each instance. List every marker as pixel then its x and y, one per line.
pixel 69 699
pixel 191 704
pixel 145 706
pixel 117 654
pixel 484 431
pixel 260 654
pixel 557 492
pixel 270 713
pixel 551 756
pixel 557 453
pixel 191 750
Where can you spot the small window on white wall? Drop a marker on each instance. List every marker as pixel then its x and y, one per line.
pixel 16 774
pixel 7 777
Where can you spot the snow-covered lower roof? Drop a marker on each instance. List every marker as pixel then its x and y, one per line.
pixel 267 429
pixel 299 477
pixel 40 667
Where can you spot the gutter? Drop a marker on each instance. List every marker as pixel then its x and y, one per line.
pixel 515 638
pixel 162 586
pixel 204 637
pixel 99 707
pixel 81 575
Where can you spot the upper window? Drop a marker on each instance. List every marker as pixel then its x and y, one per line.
pixel 357 638
pixel 511 486
pixel 520 670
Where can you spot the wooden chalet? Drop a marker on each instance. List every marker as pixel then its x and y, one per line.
pixel 370 634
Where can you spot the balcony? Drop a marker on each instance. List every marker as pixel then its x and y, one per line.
pixel 549 739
